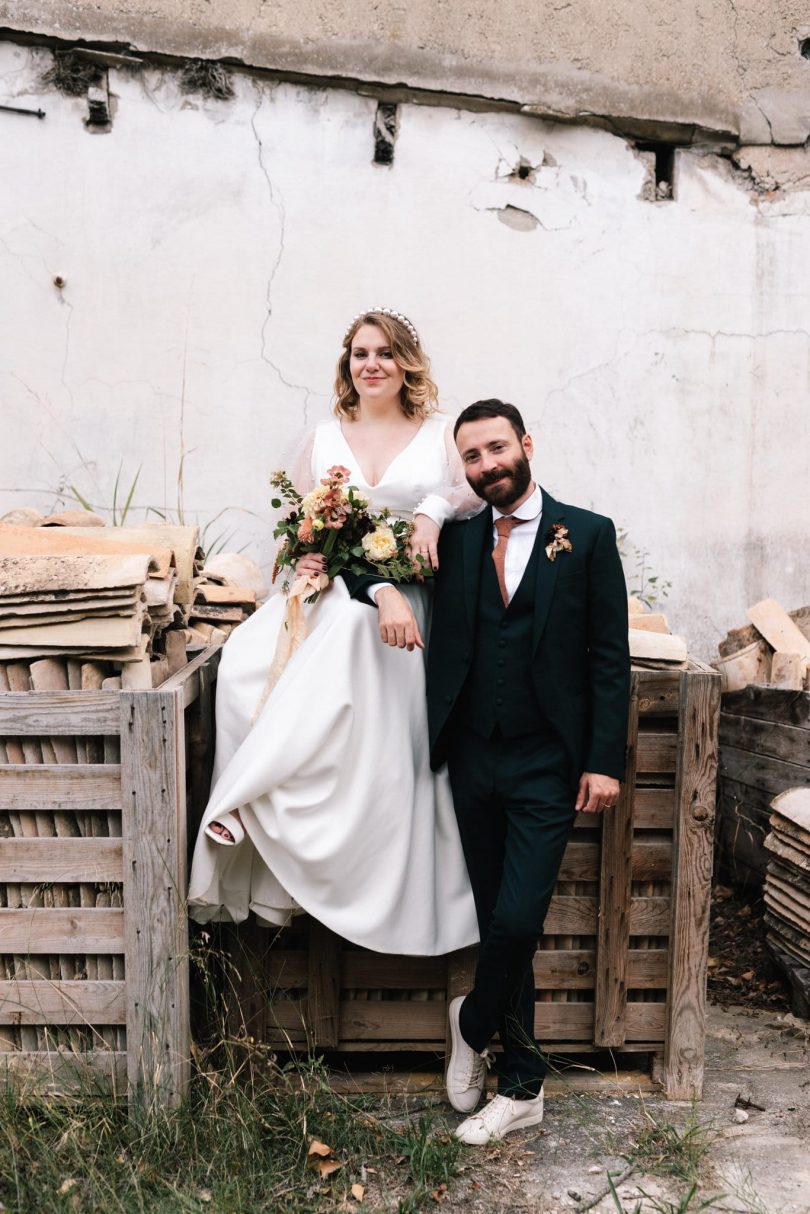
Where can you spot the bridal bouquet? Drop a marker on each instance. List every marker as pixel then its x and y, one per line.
pixel 334 519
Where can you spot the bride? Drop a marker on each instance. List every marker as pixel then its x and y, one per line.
pixel 327 804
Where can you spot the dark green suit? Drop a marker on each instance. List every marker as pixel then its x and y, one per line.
pixel 521 701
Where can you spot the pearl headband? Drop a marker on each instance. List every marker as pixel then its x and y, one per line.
pixel 403 320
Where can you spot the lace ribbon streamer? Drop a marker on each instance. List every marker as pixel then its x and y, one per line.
pixel 292 633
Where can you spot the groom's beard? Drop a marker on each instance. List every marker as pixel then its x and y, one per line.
pixel 503 486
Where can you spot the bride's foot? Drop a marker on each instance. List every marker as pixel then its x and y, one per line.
pixel 226 829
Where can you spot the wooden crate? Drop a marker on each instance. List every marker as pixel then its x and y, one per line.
pixel 623 961
pixel 764 749
pixel 93 931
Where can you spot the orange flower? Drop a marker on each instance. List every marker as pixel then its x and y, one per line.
pixel 305 532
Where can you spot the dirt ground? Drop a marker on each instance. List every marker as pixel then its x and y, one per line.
pixel 751 1160
pixel 760 1165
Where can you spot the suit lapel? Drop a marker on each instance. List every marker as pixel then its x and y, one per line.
pixel 475 535
pixel 546 573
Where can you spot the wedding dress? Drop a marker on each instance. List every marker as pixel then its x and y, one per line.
pixel 343 817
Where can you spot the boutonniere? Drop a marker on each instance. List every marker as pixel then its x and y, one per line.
pixel 557 541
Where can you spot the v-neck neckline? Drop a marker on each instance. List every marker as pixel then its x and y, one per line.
pixel 391 463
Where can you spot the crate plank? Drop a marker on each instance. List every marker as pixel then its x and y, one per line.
pixel 777 740
pixel 658 692
pixel 650 860
pixel 59 786
pixel 691 892
pixel 615 879
pixel 59 712
pixel 155 925
pixel 576 969
pixel 656 751
pixel 769 704
pixel 53 1072
pixel 32 861
pixel 34 930
pixel 759 771
pixel 76 1002
pixel 323 984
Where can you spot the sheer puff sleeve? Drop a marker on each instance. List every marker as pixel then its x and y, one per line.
pixel 301 473
pixel 454 499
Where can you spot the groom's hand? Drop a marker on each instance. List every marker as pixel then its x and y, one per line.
pixel 596 793
pixel 398 624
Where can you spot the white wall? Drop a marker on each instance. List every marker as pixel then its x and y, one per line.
pixel 213 254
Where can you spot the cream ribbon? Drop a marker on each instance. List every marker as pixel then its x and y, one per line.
pixel 292 633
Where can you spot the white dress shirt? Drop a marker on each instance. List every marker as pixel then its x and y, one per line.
pixel 521 539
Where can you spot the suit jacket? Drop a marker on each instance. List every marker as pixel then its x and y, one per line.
pixel 580 658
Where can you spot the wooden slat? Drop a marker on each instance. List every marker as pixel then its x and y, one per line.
pixel 156 931
pixel 769 704
pixel 60 786
pixel 658 692
pixel 34 930
pixel 576 969
pixel 377 971
pixel 760 771
pixel 653 809
pixel 33 861
pixel 42 1002
pixel 59 712
pixel 614 902
pixel 286 969
pixel 656 751
pixel 649 859
pixel 691 891
pixel 187 680
pixel 52 1072
pixel 323 984
pixel 766 738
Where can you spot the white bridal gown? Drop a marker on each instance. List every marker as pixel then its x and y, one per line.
pixel 343 817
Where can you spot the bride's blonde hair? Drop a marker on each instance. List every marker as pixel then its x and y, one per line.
pixel 419 395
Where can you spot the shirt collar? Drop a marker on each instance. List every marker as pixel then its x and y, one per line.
pixel 530 509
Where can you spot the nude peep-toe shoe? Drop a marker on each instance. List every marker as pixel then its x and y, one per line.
pixel 233 826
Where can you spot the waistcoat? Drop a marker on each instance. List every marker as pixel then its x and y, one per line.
pixel 500 692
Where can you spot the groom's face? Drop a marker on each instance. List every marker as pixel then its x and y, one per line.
pixel 496 461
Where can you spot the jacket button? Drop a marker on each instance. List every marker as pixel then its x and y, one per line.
pixel 501 661
pixel 501 682
pixel 449 699
pixel 502 644
pixel 499 701
pixel 466 655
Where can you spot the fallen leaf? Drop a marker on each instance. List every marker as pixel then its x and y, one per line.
pixel 205 1195
pixel 318 1148
pixel 440 1193
pixel 748 975
pixel 327 1166
pixel 358 1192
pixel 67 1185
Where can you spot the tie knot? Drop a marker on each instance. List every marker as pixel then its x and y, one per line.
pixel 504 525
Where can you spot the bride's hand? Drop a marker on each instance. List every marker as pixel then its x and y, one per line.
pixel 398 624
pixel 424 540
pixel 312 563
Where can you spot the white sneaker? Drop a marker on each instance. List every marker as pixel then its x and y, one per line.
pixel 501 1116
pixel 466 1070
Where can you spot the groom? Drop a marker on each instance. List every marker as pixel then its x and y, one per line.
pixel 528 688
pixel 528 685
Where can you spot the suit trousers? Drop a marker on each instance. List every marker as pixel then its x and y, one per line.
pixel 514 800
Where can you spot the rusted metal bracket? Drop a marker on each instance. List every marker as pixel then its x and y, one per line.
pixel 16 109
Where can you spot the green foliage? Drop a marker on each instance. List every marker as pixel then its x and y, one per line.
pixel 665 1149
pixel 642 583
pixel 682 1205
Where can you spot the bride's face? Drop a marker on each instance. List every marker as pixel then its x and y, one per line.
pixel 375 374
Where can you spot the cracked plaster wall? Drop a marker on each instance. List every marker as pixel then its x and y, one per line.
pixel 726 66
pixel 213 253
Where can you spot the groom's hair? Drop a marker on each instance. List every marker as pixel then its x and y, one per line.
pixel 490 408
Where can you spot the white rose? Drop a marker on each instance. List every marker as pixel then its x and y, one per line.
pixel 380 544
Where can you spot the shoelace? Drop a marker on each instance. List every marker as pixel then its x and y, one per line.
pixel 479 1064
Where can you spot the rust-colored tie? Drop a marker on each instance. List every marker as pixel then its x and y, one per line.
pixel 503 526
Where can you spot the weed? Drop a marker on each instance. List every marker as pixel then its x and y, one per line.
pixel 665 1149
pixel 662 1205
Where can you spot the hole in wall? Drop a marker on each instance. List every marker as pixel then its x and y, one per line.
pixel 804 48
pixel 663 157
pixel 385 133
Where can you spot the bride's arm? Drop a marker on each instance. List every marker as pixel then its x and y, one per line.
pixel 454 499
